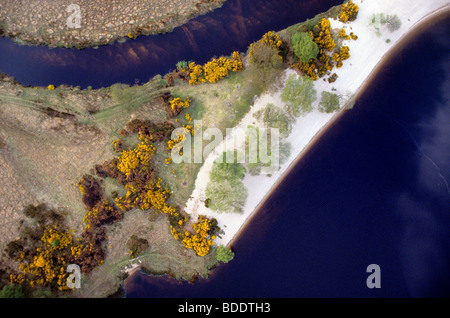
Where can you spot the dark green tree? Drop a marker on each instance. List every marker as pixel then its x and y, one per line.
pixel 224 254
pixel 304 47
pixel 225 190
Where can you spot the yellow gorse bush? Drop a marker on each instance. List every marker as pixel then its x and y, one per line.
pixel 271 39
pixel 129 160
pixel 352 36
pixel 349 12
pixel 341 55
pixel 175 143
pixel 236 64
pixel 199 242
pixel 116 144
pixel 54 239
pixel 327 56
pixel 307 68
pixel 177 103
pixel 81 187
pixel 48 266
pixel 324 40
pixel 215 69
pixel 153 197
pixel 196 74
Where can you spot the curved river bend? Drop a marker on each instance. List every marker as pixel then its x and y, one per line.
pixel 230 28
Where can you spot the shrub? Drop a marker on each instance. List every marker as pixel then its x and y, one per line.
pixel 129 160
pixel 275 117
pixel 349 12
pixel 271 39
pixel 11 291
pixel 181 65
pixel 322 35
pixel 215 69
pixel 298 94
pixel 341 55
pixel 225 189
pixel 203 238
pixel 14 248
pixel 224 254
pixel 224 171
pixel 304 47
pixel 333 78
pixel 329 102
pixel 150 130
pixel 265 65
pixel 43 215
pixel 263 56
pixel 121 93
pixel 102 213
pixel 177 105
pixel 196 74
pixel 91 191
pixel 137 245
pixel 32 211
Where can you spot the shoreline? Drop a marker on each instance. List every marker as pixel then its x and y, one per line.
pixel 281 178
pixel 438 14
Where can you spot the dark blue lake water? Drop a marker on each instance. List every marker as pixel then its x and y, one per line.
pixel 373 190
pixel 232 27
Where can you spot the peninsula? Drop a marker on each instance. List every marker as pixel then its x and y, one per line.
pixel 376 41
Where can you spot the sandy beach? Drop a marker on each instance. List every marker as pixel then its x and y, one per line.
pixel 368 56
